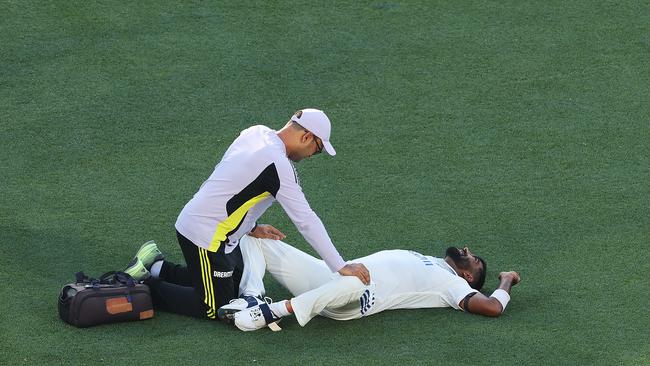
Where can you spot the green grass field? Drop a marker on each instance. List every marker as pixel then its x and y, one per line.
pixel 521 129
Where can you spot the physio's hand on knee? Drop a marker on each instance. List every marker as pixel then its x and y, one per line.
pixel 358 270
pixel 267 232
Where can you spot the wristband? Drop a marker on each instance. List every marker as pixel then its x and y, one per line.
pixel 253 229
pixel 502 296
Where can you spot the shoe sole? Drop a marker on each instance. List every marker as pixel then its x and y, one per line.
pixel 227 315
pixel 137 276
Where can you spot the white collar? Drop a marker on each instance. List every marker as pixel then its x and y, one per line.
pixel 443 263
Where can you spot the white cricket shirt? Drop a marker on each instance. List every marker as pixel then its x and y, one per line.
pixel 253 173
pixel 406 279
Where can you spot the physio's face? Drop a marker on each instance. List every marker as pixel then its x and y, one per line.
pixel 464 258
pixel 309 146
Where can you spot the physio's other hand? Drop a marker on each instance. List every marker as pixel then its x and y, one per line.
pixel 267 232
pixel 358 270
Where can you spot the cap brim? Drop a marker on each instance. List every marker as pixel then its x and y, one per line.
pixel 329 148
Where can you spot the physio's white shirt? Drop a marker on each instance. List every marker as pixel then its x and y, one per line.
pixel 253 173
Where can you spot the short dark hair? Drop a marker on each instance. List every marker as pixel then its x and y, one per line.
pixel 297 126
pixel 480 281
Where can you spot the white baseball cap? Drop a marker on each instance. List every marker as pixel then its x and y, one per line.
pixel 317 123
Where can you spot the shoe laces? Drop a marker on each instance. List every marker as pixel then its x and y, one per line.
pixel 266 299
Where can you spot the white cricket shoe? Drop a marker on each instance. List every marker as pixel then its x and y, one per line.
pixel 227 312
pixel 257 317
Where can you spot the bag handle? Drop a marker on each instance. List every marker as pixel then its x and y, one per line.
pixel 125 278
pixel 81 277
pixel 107 278
pixel 112 277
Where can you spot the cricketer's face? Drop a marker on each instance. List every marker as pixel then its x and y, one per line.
pixel 464 258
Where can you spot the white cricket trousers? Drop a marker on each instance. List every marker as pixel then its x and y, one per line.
pixel 316 289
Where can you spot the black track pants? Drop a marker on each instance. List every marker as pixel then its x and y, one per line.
pixel 210 280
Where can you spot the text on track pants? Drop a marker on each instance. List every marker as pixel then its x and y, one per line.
pixel 208 281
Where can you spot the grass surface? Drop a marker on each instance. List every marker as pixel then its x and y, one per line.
pixel 518 128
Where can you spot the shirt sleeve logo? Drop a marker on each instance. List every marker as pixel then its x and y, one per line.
pixel 295 173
